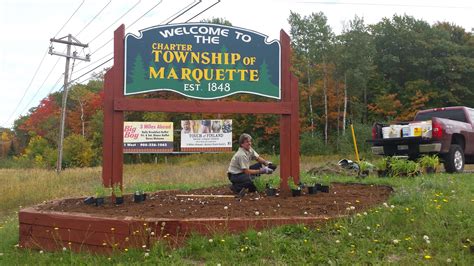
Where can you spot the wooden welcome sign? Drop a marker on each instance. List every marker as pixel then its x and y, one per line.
pixel 203 62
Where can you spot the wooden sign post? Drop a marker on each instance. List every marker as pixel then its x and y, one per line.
pixel 115 104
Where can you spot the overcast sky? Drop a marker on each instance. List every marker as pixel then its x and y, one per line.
pixel 27 26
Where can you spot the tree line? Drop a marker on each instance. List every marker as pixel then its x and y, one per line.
pixel 380 72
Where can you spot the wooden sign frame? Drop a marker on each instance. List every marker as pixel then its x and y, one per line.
pixel 115 104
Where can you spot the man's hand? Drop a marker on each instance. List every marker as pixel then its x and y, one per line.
pixel 266 170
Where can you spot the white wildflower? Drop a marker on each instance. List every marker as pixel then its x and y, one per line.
pixel 395 241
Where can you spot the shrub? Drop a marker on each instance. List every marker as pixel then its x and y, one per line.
pixel 402 167
pixel 381 164
pixel 273 181
pixel 429 161
pixel 77 151
pixel 260 183
pixel 308 179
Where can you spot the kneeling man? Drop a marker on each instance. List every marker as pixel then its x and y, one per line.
pixel 240 172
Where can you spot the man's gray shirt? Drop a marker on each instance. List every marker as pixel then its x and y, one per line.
pixel 241 160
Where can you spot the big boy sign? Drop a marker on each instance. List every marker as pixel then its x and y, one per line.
pixel 203 61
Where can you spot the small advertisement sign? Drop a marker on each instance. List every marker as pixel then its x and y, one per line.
pixel 202 61
pixel 147 137
pixel 206 135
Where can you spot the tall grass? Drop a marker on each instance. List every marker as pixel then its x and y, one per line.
pixel 428 219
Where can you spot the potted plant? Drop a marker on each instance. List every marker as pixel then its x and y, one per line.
pixel 295 189
pixel 364 168
pixel 118 193
pixel 100 192
pixel 310 182
pixel 412 168
pixel 382 167
pixel 272 184
pixel 429 163
pixel 89 200
pixel 403 167
pixel 139 195
pixel 398 167
pixel 324 188
pixel 259 184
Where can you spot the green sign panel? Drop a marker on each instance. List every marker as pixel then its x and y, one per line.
pixel 203 61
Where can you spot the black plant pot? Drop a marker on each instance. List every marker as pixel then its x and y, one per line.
pixel 99 201
pixel 382 173
pixel 318 187
pixel 139 197
pixel 118 200
pixel 296 192
pixel 271 191
pixel 324 189
pixel 89 200
pixel 364 173
pixel 430 170
pixel 312 190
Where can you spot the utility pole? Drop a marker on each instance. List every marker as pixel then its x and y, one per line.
pixel 69 42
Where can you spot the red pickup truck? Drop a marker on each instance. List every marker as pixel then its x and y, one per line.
pixel 448 132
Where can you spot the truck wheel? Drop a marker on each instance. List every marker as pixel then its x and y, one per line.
pixel 454 159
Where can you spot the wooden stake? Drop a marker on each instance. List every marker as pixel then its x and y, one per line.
pixel 205 196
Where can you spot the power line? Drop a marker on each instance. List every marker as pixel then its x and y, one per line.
pixel 39 89
pixel 148 11
pixel 181 12
pixel 107 55
pixel 209 7
pixel 113 23
pixel 27 88
pixel 172 17
pixel 176 15
pixel 377 4
pixel 108 60
pixel 40 64
pixel 56 84
pixel 87 25
pixel 75 11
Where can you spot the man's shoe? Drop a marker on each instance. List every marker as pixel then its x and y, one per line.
pixel 242 192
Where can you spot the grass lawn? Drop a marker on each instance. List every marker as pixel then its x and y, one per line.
pixel 429 219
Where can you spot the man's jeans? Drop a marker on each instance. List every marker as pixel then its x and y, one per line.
pixel 242 180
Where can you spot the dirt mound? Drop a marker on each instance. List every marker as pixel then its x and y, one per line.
pixel 331 169
pixel 194 203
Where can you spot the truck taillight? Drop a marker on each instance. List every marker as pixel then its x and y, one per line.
pixel 437 131
pixel 374 132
